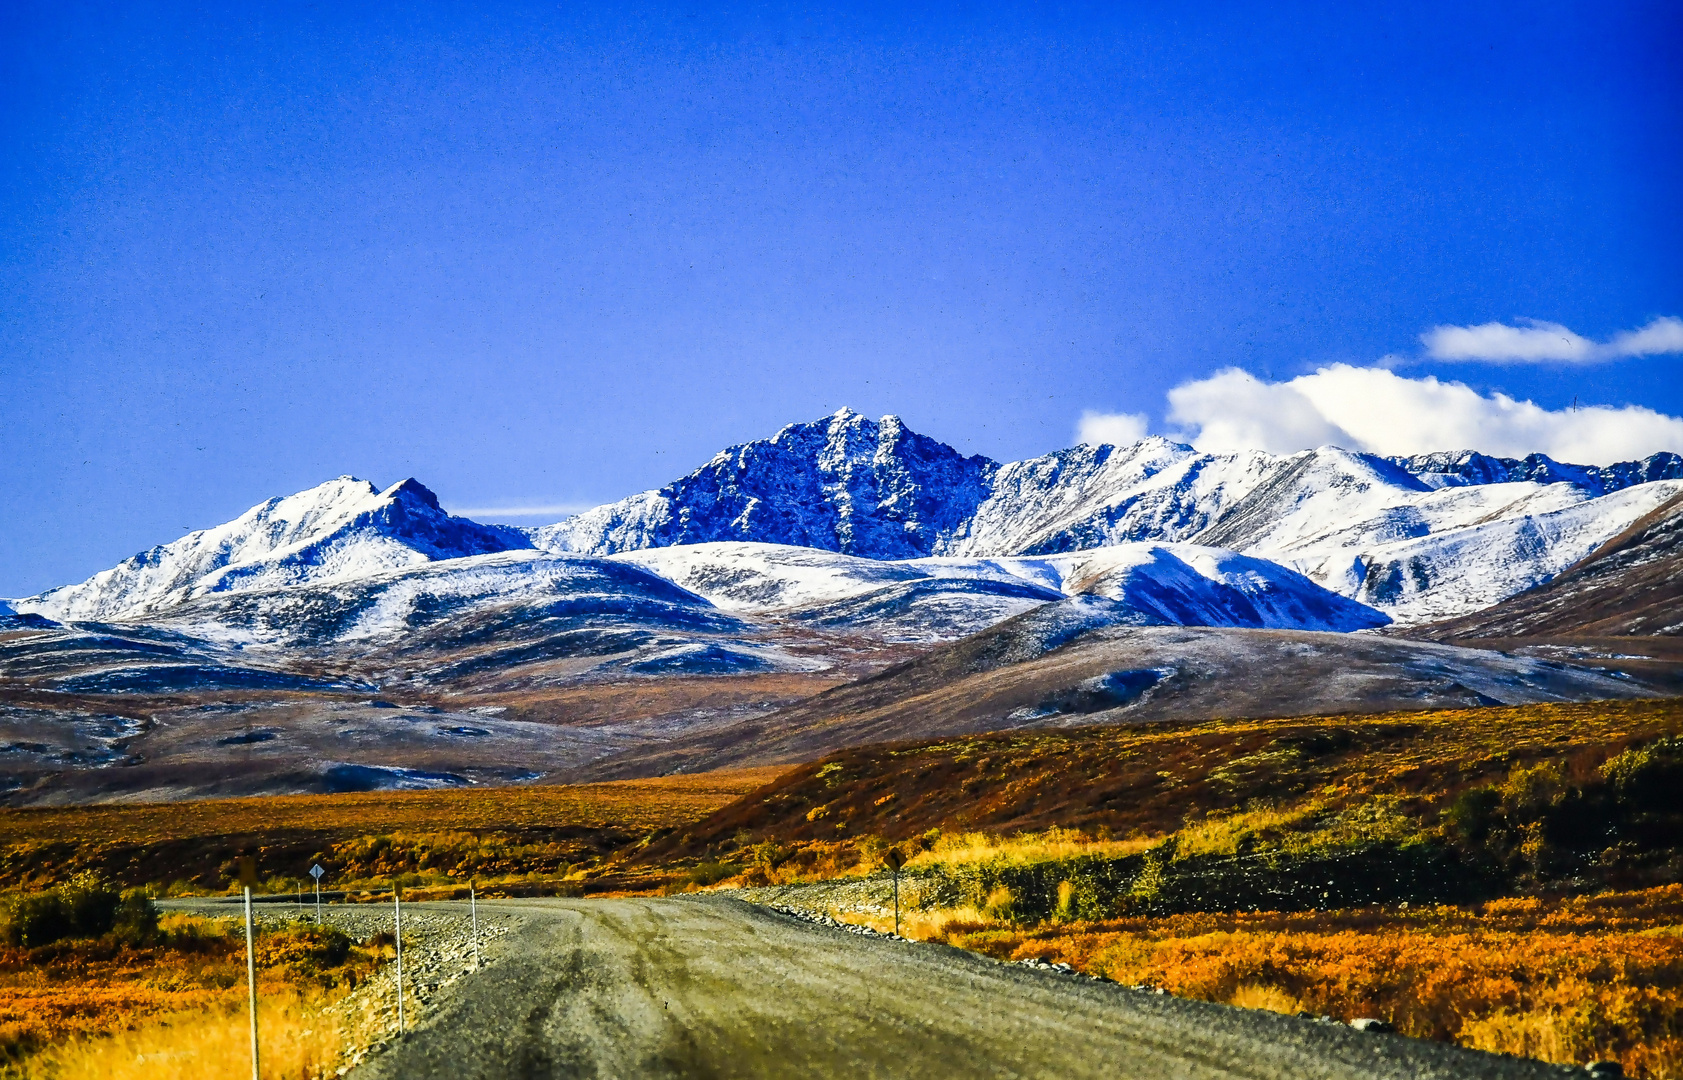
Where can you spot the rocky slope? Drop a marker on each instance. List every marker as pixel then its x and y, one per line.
pixel 1632 585
pixel 845 483
pixel 1060 666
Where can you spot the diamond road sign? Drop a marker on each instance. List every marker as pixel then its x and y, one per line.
pixel 316 871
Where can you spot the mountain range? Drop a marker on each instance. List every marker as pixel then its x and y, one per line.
pixel 694 624
pixel 1414 539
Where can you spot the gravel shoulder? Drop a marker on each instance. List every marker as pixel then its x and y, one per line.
pixel 438 952
pixel 716 987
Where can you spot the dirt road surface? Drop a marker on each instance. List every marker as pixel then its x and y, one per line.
pixel 711 987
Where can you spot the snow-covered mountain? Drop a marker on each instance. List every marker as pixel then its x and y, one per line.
pixel 846 520
pixel 819 570
pixel 845 483
pixel 1471 467
pixel 737 594
pixel 1330 514
pixel 343 529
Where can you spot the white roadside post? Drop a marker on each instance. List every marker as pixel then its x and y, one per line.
pixel 397 909
pixel 473 911
pixel 248 875
pixel 316 872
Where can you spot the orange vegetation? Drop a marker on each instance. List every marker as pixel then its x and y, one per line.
pixel 155 844
pixel 1148 779
pixel 61 994
pixel 1568 980
pixel 299 1042
pixel 632 804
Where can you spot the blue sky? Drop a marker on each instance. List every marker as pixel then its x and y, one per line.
pixel 548 256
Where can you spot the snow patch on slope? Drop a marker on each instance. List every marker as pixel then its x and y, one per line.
pixel 1193 585
pixel 1177 584
pixel 343 529
pixel 387 605
pixel 1465 569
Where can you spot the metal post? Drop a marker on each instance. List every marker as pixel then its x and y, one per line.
pixel 473 909
pixel 895 860
pixel 397 908
pixel 318 901
pixel 251 980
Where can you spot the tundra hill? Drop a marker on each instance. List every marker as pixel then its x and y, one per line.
pixel 1063 664
pixel 1149 779
pixel 1435 805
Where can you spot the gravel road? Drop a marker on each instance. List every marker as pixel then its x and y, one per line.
pixel 714 987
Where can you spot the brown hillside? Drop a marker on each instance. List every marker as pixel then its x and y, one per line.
pixel 1021 675
pixel 1150 779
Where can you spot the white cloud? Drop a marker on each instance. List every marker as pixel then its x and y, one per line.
pixel 1234 410
pixel 1537 342
pixel 1379 411
pixel 1118 429
pixel 1657 338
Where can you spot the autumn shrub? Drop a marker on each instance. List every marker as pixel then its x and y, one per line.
pixel 85 908
pixel 1066 908
pixel 136 918
pixel 1540 824
pixel 1568 980
pixel 710 873
pixel 770 854
pixel 306 951
pixel 1000 906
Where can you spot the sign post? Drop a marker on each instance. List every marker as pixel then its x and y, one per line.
pixel 248 878
pixel 397 910
pixel 316 872
pixel 473 911
pixel 895 860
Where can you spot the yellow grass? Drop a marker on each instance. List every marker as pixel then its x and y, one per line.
pixel 1228 833
pixel 1262 996
pixel 295 1042
pixel 1298 828
pixel 174 1007
pixel 978 847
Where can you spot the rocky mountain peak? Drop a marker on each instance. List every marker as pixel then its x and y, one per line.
pixel 844 483
pixel 413 489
